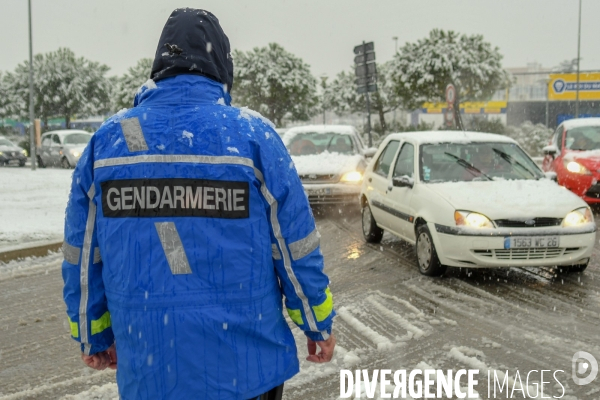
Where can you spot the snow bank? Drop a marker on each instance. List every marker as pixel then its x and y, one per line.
pixel 32 204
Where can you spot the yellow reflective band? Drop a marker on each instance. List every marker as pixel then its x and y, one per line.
pixel 101 323
pixel 323 310
pixel 74 328
pixel 296 316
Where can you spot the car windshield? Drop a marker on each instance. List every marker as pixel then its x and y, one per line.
pixel 316 143
pixel 5 142
pixel 77 138
pixel 583 138
pixel 484 161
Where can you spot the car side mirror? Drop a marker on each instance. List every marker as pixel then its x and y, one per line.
pixel 370 152
pixel 550 150
pixel 403 181
pixel 551 175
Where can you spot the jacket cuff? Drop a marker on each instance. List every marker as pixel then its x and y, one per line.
pixel 318 336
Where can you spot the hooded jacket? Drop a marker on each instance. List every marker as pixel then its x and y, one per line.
pixel 186 224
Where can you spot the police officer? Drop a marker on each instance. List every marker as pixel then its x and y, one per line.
pixel 186 227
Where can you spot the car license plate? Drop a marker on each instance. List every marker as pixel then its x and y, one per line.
pixel 522 242
pixel 319 192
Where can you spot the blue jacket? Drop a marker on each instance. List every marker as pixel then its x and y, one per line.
pixel 186 224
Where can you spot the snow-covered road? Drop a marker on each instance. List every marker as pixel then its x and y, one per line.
pixel 389 316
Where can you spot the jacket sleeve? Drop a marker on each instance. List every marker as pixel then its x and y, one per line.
pixel 295 243
pixel 83 291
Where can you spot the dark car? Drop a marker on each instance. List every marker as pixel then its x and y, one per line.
pixel 10 153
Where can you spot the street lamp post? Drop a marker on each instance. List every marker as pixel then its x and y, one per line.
pixel 578 60
pixel 324 86
pixel 32 143
pixel 395 38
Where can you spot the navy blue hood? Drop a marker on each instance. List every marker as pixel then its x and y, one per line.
pixel 193 42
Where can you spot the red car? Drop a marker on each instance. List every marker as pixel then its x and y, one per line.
pixel 574 155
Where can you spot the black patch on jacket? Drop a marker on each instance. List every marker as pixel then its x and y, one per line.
pixel 176 197
pixel 193 42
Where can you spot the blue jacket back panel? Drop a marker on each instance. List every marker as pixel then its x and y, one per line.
pixel 185 225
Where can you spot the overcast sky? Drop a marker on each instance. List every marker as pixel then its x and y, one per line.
pixel 322 32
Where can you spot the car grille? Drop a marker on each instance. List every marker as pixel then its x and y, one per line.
pixel 526 254
pixel 314 178
pixel 333 199
pixel 593 191
pixel 529 223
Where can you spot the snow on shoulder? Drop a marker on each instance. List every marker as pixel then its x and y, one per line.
pixel 249 114
pixel 148 85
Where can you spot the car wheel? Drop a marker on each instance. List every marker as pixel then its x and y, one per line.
pixel 371 231
pixel 40 162
pixel 21 163
pixel 65 163
pixel 578 268
pixel 427 259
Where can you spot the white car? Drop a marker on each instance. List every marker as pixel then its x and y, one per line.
pixel 330 160
pixel 62 148
pixel 473 200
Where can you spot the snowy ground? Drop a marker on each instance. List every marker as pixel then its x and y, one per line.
pixel 389 316
pixel 32 204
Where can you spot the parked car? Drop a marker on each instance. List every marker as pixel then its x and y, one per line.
pixel 473 200
pixel 574 155
pixel 330 160
pixel 11 153
pixel 62 148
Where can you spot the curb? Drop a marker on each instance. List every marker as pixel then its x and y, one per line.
pixel 38 250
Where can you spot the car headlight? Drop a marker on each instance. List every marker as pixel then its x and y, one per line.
pixel 1 153
pixel 352 177
pixel 75 153
pixel 578 217
pixel 576 168
pixel 472 220
pixel 24 152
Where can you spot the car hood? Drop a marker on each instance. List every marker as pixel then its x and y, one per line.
pixel 326 163
pixel 589 159
pixel 75 146
pixel 10 148
pixel 510 199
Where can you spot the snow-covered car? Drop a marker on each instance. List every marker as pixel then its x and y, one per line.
pixel 473 200
pixel 11 153
pixel 574 155
pixel 330 160
pixel 62 148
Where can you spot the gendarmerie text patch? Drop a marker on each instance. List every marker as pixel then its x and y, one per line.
pixel 175 197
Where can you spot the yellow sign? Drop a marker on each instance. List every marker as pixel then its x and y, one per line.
pixel 564 86
pixel 468 107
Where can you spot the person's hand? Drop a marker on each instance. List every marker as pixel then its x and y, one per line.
pixel 102 360
pixel 326 353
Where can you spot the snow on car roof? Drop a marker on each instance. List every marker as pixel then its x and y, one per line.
pixel 63 132
pixel 574 123
pixel 341 129
pixel 422 137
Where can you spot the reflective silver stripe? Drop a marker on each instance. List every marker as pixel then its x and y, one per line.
pixel 275 251
pixel 287 263
pixel 85 269
pixel 174 251
pixel 71 253
pixel 304 247
pixel 173 158
pixel 132 130
pixel 325 335
pixel 159 158
pixel 97 256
